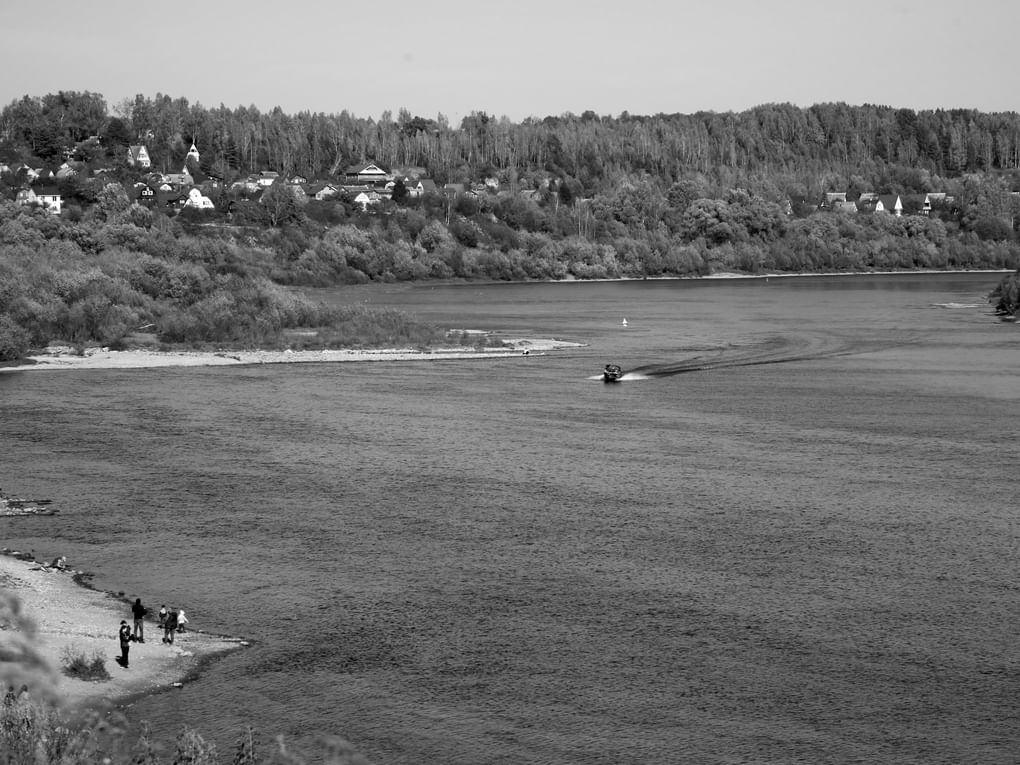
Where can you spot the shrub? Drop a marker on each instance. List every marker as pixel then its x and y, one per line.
pixel 14 339
pixel 75 663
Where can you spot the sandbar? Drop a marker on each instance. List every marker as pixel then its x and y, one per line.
pixel 67 614
pixel 104 358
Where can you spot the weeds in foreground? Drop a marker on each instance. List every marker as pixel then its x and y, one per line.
pixel 34 732
pixel 75 663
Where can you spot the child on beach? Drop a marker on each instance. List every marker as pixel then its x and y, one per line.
pixel 162 616
pixel 181 620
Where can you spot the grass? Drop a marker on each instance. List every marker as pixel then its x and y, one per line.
pixel 75 663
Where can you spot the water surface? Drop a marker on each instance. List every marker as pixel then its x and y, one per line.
pixel 789 536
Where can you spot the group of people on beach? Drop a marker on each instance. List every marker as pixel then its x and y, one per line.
pixel 171 621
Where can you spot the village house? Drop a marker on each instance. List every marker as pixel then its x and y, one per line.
pixel 367 173
pixel 138 156
pixel 416 187
pixel 248 185
pixel 47 197
pixel 267 178
pixel 889 203
pixel 144 194
pixel 197 200
pixel 69 169
pixel 934 199
pixel 25 197
pixel 182 178
pixel 323 191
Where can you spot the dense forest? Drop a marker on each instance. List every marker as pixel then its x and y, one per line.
pixel 563 197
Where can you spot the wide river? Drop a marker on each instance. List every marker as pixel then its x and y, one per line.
pixel 790 535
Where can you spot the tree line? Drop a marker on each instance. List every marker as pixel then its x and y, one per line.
pixel 809 148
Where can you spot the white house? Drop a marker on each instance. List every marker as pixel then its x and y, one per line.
pixel 47 197
pixel 50 198
pixel 267 178
pixel 199 201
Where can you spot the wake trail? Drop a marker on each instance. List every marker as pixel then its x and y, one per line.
pixel 783 349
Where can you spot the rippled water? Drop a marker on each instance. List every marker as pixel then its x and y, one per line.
pixel 789 536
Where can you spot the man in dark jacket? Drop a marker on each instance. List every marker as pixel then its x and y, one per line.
pixel 139 611
pixel 125 643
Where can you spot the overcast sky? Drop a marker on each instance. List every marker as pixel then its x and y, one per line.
pixel 519 59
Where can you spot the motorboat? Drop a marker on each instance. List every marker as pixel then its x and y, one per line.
pixel 612 373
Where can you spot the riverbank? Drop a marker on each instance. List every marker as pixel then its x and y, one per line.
pixel 63 357
pixel 70 617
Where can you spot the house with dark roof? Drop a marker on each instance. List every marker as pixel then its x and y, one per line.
pixel 323 191
pixel 45 196
pixel 182 178
pixel 143 193
pixel 368 172
pixel 138 156
pixel 934 199
pixel 889 203
pixel 267 178
pixel 832 198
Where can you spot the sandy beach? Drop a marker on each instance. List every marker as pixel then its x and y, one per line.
pixel 103 358
pixel 68 615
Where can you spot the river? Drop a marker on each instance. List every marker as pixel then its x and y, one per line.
pixel 789 535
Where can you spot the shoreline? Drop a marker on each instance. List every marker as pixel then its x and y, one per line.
pixel 68 614
pixel 61 357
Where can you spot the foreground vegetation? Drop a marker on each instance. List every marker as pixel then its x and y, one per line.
pixel 34 732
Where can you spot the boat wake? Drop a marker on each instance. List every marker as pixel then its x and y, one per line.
pixel 768 350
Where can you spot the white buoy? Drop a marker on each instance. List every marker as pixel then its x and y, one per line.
pixel 624 322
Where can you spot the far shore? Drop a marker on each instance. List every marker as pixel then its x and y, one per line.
pixel 104 358
pixel 70 616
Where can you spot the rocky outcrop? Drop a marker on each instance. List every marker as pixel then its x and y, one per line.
pixel 15 506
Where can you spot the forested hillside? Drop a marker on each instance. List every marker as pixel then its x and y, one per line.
pixel 570 196
pixel 800 150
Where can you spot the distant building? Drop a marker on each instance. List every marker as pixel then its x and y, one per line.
pixel 367 173
pixel 138 156
pixel 267 178
pixel 889 203
pixel 197 200
pixel 47 197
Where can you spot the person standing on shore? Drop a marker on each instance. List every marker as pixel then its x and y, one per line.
pixel 162 616
pixel 139 611
pixel 170 626
pixel 125 643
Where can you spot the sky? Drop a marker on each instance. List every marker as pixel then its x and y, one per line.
pixel 528 58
